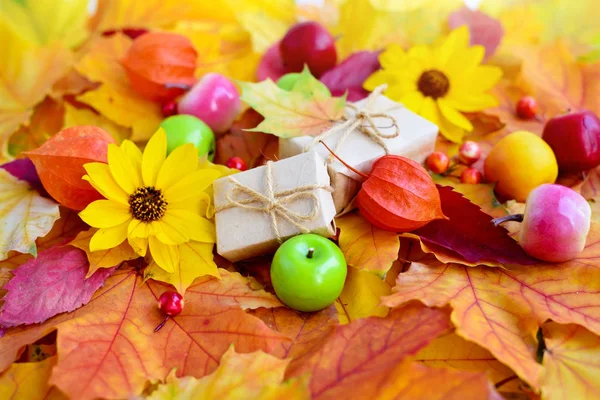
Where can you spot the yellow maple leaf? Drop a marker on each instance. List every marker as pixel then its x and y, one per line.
pixel 24 216
pixel 361 296
pixel 29 381
pixel 115 98
pixel 27 74
pixel 102 258
pixel 30 18
pixel 82 116
pixel 239 376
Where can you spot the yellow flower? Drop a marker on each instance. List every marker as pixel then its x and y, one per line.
pixel 152 200
pixel 440 81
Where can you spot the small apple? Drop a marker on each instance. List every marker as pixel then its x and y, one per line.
pixel 308 43
pixel 182 129
pixel 575 140
pixel 308 272
pixel 288 81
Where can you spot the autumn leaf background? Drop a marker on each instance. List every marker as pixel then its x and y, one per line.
pixel 447 312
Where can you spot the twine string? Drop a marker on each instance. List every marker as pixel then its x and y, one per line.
pixel 275 204
pixel 363 120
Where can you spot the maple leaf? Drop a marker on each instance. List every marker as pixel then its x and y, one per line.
pixel 115 99
pixel 83 116
pixel 50 284
pixel 365 246
pixel 290 114
pixel 590 188
pixel 477 241
pixel 453 352
pixel 361 296
pixel 29 381
pixel 239 376
pixel 571 363
pixel 353 357
pixel 253 147
pixel 501 309
pixel 68 24
pixel 25 215
pixel 26 76
pixel 482 195
pixel 102 258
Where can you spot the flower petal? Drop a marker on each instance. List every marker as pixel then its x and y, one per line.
pixel 471 103
pixel 99 176
pixel 181 162
pixel 393 57
pixel 413 101
pixel 105 214
pixel 453 116
pixel 197 204
pixel 123 169
pixel 166 256
pixel 192 185
pixel 109 238
pixel 139 229
pixel 170 232
pixel 456 40
pixel 139 245
pixel 154 156
pixel 132 151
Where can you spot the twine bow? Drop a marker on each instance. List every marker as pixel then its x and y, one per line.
pixel 357 121
pixel 275 203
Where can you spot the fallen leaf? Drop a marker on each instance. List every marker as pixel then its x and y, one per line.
pixel 25 216
pixel 477 241
pixel 71 84
pixel 352 358
pixel 590 188
pixel 29 381
pixel 68 24
pixel 361 296
pixel 115 99
pixel 239 376
pixel 411 380
pixel 82 116
pixel 307 330
pixel 24 170
pixel 53 283
pixel 571 363
pixel 126 352
pixel 26 75
pixel 365 246
pixel 501 309
pixel 102 258
pixel 253 147
pixel 482 195
pixel 289 114
pixel 453 352
pixel 483 29
pixel 351 73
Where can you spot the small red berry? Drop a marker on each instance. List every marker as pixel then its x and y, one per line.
pixel 438 162
pixel 171 303
pixel 236 163
pixel 471 176
pixel 526 107
pixel 169 108
pixel 469 152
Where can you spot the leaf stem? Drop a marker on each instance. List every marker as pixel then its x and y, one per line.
pixel 513 217
pixel 159 327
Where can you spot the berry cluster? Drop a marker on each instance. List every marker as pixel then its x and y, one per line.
pixel 469 153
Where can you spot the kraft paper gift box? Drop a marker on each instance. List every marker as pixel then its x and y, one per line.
pixel 258 209
pixel 415 139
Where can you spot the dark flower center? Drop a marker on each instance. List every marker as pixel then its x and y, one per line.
pixel 433 83
pixel 147 204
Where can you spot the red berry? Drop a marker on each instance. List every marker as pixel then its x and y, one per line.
pixel 236 163
pixel 311 44
pixel 575 140
pixel 438 162
pixel 469 152
pixel 169 108
pixel 171 303
pixel 471 176
pixel 526 107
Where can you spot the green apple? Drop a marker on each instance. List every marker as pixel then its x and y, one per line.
pixel 308 272
pixel 182 129
pixel 287 81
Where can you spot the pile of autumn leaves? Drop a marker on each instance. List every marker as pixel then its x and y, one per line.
pixel 414 320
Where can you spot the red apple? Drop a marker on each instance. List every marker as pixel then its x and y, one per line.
pixel 575 140
pixel 311 44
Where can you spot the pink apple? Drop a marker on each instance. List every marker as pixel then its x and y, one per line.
pixel 214 99
pixel 555 224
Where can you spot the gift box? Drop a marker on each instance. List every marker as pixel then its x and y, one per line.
pixel 258 209
pixel 373 127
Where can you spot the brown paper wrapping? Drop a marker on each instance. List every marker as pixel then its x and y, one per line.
pixel 243 233
pixel 416 141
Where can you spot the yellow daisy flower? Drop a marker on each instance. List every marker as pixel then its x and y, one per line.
pixel 440 81
pixel 152 200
